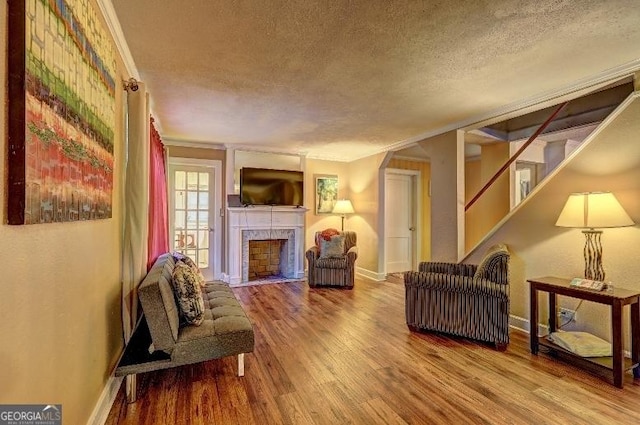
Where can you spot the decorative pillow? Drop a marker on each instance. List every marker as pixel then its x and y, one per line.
pixel 332 248
pixel 178 256
pixel 188 294
pixel 328 233
pixel 581 343
pixel 487 267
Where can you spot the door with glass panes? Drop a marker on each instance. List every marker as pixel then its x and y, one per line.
pixel 192 223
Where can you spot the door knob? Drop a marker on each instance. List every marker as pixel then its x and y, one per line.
pixel 412 228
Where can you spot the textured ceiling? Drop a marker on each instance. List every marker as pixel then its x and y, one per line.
pixel 346 79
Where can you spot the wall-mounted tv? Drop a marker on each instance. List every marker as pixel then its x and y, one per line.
pixel 263 186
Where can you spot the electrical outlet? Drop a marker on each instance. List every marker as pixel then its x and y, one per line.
pixel 568 315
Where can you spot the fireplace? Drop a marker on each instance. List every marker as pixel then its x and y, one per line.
pixel 264 258
pixel 249 225
pixel 285 257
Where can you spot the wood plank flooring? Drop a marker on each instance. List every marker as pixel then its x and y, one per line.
pixel 332 356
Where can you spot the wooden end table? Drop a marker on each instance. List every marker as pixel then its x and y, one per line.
pixel 616 298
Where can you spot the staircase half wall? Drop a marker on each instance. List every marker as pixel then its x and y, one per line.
pixel 609 160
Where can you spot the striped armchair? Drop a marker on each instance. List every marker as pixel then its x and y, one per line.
pixel 337 271
pixel 462 299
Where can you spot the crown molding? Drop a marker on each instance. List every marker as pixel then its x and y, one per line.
pixel 266 149
pixel 571 90
pixel 323 157
pixel 192 144
pixel 411 158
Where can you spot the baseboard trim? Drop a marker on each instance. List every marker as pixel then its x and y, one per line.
pixel 524 325
pixel 105 402
pixel 371 275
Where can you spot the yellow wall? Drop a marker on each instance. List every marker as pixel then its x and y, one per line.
pixel 60 295
pixel 494 204
pixel 364 190
pixel 472 184
pixel 357 181
pixel 425 219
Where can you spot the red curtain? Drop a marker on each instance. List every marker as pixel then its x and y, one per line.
pixel 158 207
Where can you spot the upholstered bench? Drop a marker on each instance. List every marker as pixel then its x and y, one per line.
pixel 161 341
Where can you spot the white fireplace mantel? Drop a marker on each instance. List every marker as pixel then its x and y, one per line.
pixel 264 222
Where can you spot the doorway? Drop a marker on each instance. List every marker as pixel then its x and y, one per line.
pixel 195 200
pixel 401 224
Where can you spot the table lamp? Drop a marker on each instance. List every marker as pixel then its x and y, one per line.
pixel 591 210
pixel 344 207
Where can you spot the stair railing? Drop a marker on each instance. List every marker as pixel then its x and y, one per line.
pixel 515 156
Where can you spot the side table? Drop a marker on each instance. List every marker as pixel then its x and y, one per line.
pixel 616 298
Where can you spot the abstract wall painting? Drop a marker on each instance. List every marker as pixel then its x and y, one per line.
pixel 61 113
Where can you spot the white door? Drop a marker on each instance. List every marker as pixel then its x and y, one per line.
pixel 194 224
pixel 400 212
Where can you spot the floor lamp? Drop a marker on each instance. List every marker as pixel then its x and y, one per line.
pixel 591 211
pixel 343 207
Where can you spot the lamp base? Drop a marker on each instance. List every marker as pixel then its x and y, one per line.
pixel 593 255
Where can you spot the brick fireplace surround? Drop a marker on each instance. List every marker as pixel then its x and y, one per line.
pixel 284 224
pixel 264 258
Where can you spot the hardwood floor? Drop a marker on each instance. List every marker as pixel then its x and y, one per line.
pixel 332 356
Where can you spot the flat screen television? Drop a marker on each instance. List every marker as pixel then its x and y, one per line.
pixel 263 186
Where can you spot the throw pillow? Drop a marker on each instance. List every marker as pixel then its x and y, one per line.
pixel 178 256
pixel 188 294
pixel 327 234
pixel 332 248
pixel 491 259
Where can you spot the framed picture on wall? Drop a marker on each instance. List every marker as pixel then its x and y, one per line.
pixel 326 193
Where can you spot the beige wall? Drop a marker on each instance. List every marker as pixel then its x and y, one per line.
pixel 425 219
pixel 611 162
pixel 447 194
pixel 60 295
pixel 198 153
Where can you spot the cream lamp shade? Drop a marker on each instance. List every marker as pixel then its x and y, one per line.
pixel 344 207
pixel 593 210
pixel 590 211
